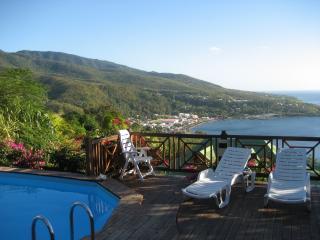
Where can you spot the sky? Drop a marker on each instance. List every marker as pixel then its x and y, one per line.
pixel 252 45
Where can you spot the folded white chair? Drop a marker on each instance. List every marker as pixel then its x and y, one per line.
pixel 215 184
pixel 289 182
pixel 134 156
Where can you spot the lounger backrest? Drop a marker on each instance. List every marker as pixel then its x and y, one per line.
pixel 291 164
pixel 233 161
pixel 125 142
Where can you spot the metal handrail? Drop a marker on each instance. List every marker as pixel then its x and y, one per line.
pixel 46 222
pixel 88 211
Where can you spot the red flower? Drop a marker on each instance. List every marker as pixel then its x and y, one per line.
pixel 116 121
pixel 127 122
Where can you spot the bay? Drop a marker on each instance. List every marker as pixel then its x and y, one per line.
pixel 284 126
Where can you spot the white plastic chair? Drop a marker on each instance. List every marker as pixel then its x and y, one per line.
pixel 134 156
pixel 212 184
pixel 289 182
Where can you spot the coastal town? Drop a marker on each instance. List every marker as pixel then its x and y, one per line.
pixel 183 122
pixel 172 123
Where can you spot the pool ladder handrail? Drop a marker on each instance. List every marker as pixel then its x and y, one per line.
pixel 46 222
pixel 90 215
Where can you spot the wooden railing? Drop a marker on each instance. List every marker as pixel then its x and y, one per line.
pixel 101 154
pixel 194 152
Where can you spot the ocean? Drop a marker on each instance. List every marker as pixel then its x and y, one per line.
pixel 284 126
pixel 306 96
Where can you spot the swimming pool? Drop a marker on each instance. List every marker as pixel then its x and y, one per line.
pixel 23 196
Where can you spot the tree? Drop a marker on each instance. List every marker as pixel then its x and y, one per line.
pixel 22 109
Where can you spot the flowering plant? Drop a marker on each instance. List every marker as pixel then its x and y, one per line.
pixel 116 122
pixel 20 156
pixel 127 122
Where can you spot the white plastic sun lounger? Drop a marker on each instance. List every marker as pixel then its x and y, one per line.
pixel 134 156
pixel 290 182
pixel 212 184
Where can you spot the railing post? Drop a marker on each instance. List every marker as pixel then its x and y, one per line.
pixel 88 144
pixel 174 149
pixel 169 153
pixel 223 144
pixel 211 157
pixel 224 135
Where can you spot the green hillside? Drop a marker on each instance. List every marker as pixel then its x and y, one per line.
pixel 75 83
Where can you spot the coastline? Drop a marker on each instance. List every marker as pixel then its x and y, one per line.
pixel 251 117
pixel 189 127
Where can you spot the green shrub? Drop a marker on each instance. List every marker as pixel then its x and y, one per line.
pixel 66 159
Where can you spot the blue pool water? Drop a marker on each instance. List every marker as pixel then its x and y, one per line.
pixel 23 196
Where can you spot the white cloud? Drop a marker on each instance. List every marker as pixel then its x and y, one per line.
pixel 215 49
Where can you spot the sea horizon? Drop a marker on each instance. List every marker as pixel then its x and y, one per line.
pixel 307 96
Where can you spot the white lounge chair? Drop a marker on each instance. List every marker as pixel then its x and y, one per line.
pixel 289 182
pixel 213 184
pixel 134 156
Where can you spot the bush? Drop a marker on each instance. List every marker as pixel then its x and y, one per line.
pixel 16 154
pixel 66 159
pixel 4 151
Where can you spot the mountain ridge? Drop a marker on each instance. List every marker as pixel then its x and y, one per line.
pixel 75 83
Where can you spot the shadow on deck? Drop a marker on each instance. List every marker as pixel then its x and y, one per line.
pixel 154 217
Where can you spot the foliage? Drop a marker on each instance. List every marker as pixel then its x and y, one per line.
pixel 18 155
pixel 17 85
pixel 66 159
pixel 75 84
pixel 4 152
pixel 22 114
pixel 66 129
pixel 106 120
pixel 31 134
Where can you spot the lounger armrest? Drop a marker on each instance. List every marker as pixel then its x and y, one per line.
pixel 271 176
pixel 308 177
pixel 308 186
pixel 208 173
pixel 143 148
pixel 142 151
pixel 270 180
pixel 129 152
pixel 249 178
pixel 236 178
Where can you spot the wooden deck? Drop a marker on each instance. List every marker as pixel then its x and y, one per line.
pixel 154 217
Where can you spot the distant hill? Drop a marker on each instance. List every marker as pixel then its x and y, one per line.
pixel 75 83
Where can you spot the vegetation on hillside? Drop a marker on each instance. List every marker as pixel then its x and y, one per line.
pixel 75 83
pixel 31 135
